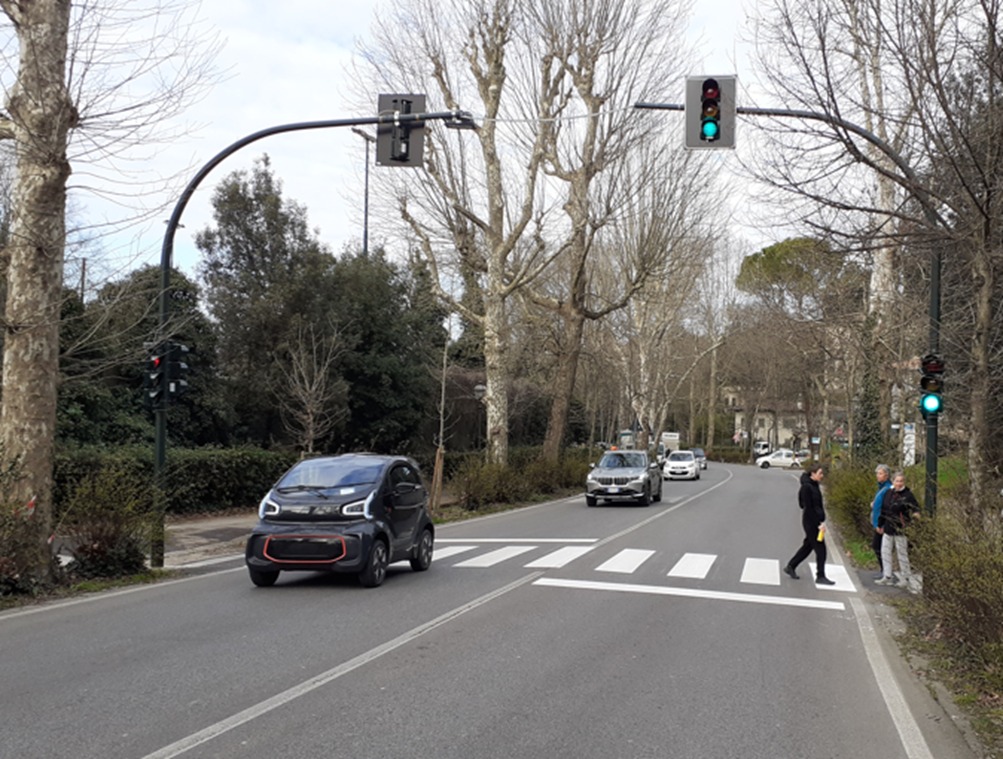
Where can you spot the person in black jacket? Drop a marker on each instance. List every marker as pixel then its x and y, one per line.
pixel 898 508
pixel 813 523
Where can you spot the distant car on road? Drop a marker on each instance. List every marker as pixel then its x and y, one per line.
pixel 700 456
pixel 357 513
pixel 681 465
pixel 782 457
pixel 624 475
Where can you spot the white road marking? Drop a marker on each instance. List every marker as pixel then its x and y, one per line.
pixel 495 557
pixel 761 572
pixel 559 558
pixel 281 699
pixel 838 574
pixel 516 540
pixel 693 565
pixel 913 742
pixel 445 553
pixel 626 562
pixel 715 595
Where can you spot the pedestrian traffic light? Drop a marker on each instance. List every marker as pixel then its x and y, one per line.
pixel 400 143
pixel 710 111
pixel 153 376
pixel 177 369
pixel 931 382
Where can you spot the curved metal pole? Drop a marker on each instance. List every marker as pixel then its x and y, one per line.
pixel 458 119
pixel 933 218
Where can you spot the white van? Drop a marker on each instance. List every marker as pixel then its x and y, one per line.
pixel 760 448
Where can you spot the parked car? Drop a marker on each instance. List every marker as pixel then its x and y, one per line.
pixel 624 475
pixel 357 513
pixel 782 457
pixel 700 456
pixel 760 447
pixel 803 455
pixel 681 465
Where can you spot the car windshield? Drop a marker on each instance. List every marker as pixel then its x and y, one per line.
pixel 332 473
pixel 698 452
pixel 681 456
pixel 620 460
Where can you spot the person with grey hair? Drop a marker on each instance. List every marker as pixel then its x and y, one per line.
pixel 884 475
pixel 898 508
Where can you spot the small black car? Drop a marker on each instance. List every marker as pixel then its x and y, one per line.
pixel 358 513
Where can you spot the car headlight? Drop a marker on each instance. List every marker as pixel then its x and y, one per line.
pixel 268 508
pixel 355 508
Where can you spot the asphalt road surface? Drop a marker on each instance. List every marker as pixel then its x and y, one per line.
pixel 554 631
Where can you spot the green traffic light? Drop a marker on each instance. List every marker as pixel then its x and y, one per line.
pixel 931 404
pixel 710 130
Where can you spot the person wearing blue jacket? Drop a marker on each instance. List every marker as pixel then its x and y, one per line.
pixel 884 475
pixel 813 524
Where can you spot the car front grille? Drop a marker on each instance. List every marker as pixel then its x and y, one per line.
pixel 614 480
pixel 320 549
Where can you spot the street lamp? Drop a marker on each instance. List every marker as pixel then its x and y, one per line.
pixel 365 202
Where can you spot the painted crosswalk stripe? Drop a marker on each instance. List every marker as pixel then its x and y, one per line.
pixel 838 574
pixel 693 565
pixel 761 572
pixel 445 553
pixel 559 558
pixel 497 556
pixel 626 562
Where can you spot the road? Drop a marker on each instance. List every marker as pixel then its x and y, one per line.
pixel 555 630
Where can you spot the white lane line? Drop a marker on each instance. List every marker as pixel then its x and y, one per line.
pixel 559 558
pixel 213 731
pixel 516 540
pixel 445 553
pixel 626 562
pixel 693 565
pixel 908 729
pixel 761 572
pixel 714 595
pixel 491 558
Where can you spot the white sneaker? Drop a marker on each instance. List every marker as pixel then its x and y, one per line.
pixel 885 581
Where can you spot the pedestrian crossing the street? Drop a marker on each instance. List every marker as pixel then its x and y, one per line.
pixel 759 571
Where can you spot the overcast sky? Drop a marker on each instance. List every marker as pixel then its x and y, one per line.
pixel 284 63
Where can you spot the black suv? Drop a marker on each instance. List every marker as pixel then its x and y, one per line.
pixel 358 513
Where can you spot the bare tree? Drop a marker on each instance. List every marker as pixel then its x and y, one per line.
pixel 312 401
pixel 45 107
pixel 941 70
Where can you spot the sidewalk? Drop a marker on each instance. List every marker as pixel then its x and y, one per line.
pixel 201 539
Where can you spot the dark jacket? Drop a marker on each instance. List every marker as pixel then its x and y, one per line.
pixel 897 510
pixel 810 501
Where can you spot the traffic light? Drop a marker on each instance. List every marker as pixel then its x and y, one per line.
pixel 400 143
pixel 153 384
pixel 710 111
pixel 177 369
pixel 931 382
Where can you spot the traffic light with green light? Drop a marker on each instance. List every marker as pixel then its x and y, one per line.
pixel 710 111
pixel 931 383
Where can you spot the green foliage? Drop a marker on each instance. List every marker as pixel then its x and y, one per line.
pixel 479 484
pixel 849 493
pixel 106 524
pixel 17 556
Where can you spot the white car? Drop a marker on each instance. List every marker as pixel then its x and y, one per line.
pixel 782 457
pixel 681 465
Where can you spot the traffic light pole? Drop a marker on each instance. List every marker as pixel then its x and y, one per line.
pixel 455 119
pixel 912 185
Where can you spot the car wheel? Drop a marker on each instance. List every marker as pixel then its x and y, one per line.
pixel 765 465
pixel 645 499
pixel 421 557
pixel 263 578
pixel 591 501
pixel 376 567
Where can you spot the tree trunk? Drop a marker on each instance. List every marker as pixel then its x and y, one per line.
pixel 564 386
pixel 496 375
pixel 41 116
pixel 981 382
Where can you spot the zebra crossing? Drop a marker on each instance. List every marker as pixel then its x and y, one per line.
pixel 535 554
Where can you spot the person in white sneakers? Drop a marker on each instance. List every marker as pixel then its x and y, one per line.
pixel 898 508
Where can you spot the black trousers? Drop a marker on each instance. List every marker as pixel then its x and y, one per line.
pixel 876 547
pixel 811 543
